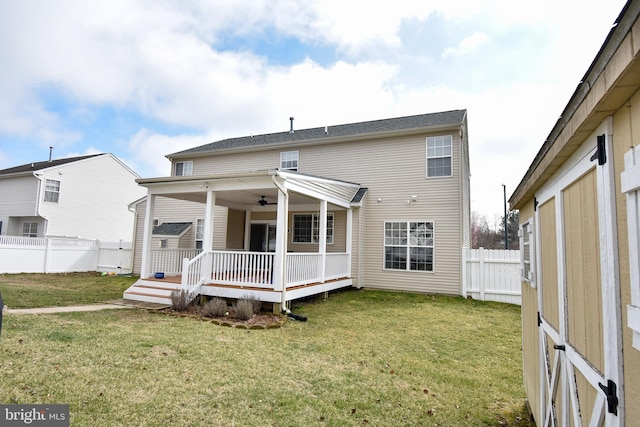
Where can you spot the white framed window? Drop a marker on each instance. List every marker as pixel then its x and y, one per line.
pixel 306 228
pixel 51 191
pixel 164 243
pixel 29 229
pixel 156 222
pixel 289 160
pixel 199 233
pixel 439 156
pixel 184 168
pixel 408 245
pixel 527 252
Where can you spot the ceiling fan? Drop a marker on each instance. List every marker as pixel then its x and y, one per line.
pixel 263 201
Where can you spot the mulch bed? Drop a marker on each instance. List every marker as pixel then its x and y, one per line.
pixel 258 321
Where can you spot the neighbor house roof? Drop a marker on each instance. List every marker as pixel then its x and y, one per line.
pixel 171 228
pixel 399 124
pixel 35 166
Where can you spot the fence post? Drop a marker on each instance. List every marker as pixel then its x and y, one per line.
pixel 47 254
pixel 481 273
pixel 465 284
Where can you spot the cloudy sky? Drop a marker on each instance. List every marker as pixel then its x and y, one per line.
pixel 143 78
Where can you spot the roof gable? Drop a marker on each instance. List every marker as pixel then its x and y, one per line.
pixel 417 122
pixel 36 166
pixel 171 228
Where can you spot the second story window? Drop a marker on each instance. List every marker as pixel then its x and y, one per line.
pixel 289 160
pixel 184 168
pixel 51 191
pixel 439 156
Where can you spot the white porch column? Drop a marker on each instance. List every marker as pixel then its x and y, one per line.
pixel 207 243
pixel 247 230
pixel 280 257
pixel 147 235
pixel 322 244
pixel 349 239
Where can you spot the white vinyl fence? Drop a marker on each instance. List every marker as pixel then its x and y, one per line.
pixel 492 275
pixel 63 255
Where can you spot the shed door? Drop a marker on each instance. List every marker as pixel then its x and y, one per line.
pixel 578 295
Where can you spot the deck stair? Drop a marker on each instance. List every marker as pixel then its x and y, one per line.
pixel 151 291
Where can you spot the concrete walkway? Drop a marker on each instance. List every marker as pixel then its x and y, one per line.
pixel 110 305
pixel 68 309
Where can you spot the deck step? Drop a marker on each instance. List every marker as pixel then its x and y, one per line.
pixel 151 291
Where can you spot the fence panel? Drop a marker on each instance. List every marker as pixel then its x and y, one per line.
pixel 62 255
pixel 492 275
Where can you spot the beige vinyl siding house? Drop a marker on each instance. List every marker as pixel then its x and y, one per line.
pixel 578 204
pixel 374 177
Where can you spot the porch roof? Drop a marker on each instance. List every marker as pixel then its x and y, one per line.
pixel 243 189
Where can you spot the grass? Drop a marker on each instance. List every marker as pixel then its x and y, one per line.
pixel 362 358
pixel 45 290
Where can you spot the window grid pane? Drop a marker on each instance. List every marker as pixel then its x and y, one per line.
pixel 51 191
pixel 439 153
pixel 409 245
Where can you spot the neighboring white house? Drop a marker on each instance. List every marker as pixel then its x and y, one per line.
pixel 380 204
pixel 86 196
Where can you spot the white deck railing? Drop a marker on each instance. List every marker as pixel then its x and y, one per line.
pixel 169 261
pixel 255 269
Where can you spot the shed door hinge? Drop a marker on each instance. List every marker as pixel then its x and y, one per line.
pixel 539 320
pixel 601 151
pixel 611 391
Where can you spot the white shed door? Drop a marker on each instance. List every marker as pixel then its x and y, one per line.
pixel 578 293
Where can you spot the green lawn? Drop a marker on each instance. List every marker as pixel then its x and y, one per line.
pixel 363 358
pixel 45 290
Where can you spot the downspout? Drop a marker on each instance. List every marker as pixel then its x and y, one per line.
pixel 38 203
pixel 283 268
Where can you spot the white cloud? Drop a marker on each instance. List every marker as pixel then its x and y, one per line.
pixel 466 46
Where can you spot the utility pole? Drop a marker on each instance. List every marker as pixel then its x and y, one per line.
pixel 506 233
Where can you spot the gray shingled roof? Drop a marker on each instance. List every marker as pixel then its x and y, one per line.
pixel 171 228
pixel 421 121
pixel 31 167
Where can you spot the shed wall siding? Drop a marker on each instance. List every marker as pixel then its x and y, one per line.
pixel 393 169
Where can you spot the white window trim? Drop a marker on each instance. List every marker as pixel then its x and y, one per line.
pixel 314 215
pixel 187 166
pixel 201 239
pixel 283 154
pixel 51 191
pixel 630 183
pixel 31 224
pixel 450 156
pixel 408 269
pixel 528 225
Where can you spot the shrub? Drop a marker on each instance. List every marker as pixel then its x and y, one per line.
pixel 256 304
pixel 243 309
pixel 217 307
pixel 179 300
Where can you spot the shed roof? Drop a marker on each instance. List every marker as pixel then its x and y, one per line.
pixel 407 123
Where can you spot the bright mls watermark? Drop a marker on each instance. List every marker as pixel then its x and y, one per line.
pixel 34 415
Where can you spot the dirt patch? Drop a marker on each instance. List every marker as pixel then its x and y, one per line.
pixel 259 320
